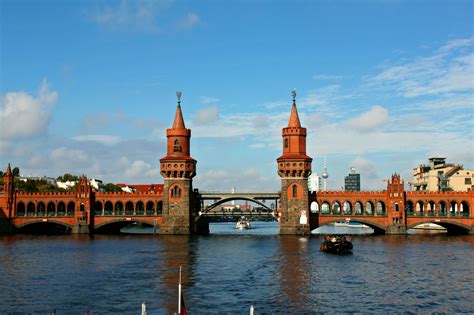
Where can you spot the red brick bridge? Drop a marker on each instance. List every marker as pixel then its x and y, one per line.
pixel 394 210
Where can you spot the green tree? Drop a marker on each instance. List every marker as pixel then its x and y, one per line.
pixel 16 171
pixel 109 187
pixel 68 177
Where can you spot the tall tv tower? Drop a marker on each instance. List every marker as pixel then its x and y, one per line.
pixel 325 175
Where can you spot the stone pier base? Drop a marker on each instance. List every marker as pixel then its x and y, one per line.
pixel 6 227
pixel 299 229
pixel 202 226
pixel 80 229
pixel 396 228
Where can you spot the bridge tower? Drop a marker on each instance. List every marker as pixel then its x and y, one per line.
pixel 8 191
pixel 396 206
pixel 178 169
pixel 294 168
pixel 83 212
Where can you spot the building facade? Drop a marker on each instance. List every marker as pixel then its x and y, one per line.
pixel 352 181
pixel 441 176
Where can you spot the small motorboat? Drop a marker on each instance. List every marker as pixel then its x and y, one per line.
pixel 243 224
pixel 336 245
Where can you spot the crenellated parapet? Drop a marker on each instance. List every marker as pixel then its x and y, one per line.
pixel 22 194
pixel 440 193
pixel 336 193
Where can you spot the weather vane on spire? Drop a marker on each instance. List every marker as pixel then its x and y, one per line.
pixel 178 94
pixel 293 93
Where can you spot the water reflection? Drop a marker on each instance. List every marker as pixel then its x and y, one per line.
pixel 222 273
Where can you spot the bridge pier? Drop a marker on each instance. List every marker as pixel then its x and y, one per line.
pixel 6 227
pixel 81 228
pixel 202 226
pixel 396 228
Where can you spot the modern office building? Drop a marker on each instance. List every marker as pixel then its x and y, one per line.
pixel 352 181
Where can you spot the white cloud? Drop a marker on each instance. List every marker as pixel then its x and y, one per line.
pixel 23 115
pixel 139 16
pixel 374 119
pixel 188 22
pixel 69 158
pixel 450 69
pixel 369 175
pixel 102 139
pixel 208 100
pixel 138 169
pixel 206 116
pixel 327 77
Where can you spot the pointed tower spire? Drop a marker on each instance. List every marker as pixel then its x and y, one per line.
pixel 178 118
pixel 294 118
pixel 9 170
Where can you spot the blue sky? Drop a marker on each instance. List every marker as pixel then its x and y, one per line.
pixel 89 87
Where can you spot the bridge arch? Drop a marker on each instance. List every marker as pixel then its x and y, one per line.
pixel 115 224
pixel 453 227
pixel 41 221
pixel 224 200
pixel 378 228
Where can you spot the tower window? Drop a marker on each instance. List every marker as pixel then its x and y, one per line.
pixel 286 143
pixel 175 192
pixel 176 146
pixel 295 191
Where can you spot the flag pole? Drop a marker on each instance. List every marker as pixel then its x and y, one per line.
pixel 179 292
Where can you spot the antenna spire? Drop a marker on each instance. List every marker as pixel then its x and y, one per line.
pixel 178 94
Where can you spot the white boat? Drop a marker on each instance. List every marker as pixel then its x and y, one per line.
pixel 243 224
pixel 350 224
pixel 429 226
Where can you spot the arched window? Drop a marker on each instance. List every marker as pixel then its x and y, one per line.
pixel 325 208
pixel 295 191
pixel 176 146
pixel 314 207
pixel 336 208
pixel 347 207
pixel 175 192
pixel 150 207
pixel 358 208
pixel 286 143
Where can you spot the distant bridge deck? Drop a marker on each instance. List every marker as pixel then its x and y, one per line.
pixel 215 195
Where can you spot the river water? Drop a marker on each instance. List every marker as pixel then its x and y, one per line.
pixel 230 270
